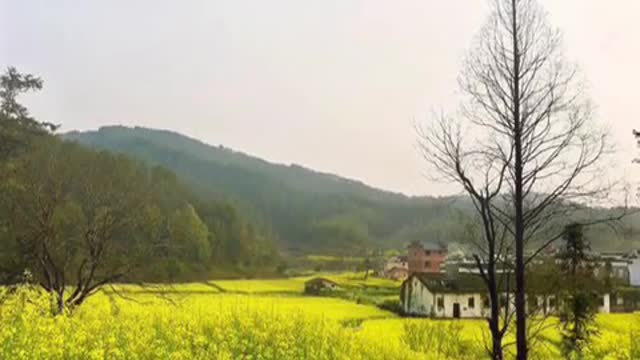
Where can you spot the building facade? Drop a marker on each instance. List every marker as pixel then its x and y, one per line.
pixel 401 262
pixel 464 296
pixel 432 295
pixel 634 271
pixel 425 259
pixel 397 273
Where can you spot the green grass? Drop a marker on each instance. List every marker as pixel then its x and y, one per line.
pixel 348 280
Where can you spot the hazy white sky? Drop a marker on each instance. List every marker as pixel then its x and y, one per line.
pixel 335 85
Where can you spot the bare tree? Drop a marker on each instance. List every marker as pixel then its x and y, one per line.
pixel 483 178
pixel 529 147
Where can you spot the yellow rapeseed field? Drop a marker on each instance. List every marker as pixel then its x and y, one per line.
pixel 195 321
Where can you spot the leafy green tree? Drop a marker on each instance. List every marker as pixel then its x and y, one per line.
pixel 190 234
pixel 74 218
pixel 579 299
pixel 373 260
pixel 343 234
pixel 17 126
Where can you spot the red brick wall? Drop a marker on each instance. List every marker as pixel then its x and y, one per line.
pixel 425 260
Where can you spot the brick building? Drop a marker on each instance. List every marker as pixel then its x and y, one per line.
pixel 426 258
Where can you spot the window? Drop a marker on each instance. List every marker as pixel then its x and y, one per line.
pixel 427 252
pixel 472 302
pixel 552 302
pixel 602 301
pixel 440 302
pixel 427 264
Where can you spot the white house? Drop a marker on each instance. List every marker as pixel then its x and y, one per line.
pixel 396 268
pixel 461 296
pixel 396 262
pixel 439 296
pixel 634 271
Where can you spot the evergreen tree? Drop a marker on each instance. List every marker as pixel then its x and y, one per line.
pixel 579 302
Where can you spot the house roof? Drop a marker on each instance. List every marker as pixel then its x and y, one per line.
pixel 318 280
pixel 458 283
pixel 427 245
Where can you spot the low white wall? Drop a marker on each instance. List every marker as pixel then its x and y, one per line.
pixel 634 272
pixel 420 301
pixel 463 301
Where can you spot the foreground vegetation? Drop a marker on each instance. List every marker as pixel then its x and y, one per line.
pixel 259 319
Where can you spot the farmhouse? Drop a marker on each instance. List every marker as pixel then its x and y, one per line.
pixel 463 296
pixel 397 273
pixel 440 296
pixel 318 285
pixel 396 262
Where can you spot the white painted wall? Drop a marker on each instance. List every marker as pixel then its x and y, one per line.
pixel 463 301
pixel 422 302
pixel 634 272
pixel 395 262
pixel 606 308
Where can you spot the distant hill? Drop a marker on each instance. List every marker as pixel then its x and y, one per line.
pixel 306 210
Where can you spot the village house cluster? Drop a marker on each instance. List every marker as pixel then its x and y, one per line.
pixel 442 286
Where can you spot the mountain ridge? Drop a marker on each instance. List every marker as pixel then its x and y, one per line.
pixel 77 134
pixel 305 208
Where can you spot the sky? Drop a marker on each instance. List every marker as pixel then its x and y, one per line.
pixel 334 85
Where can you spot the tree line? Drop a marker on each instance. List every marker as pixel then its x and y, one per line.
pixel 74 219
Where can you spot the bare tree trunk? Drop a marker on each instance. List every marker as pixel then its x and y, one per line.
pixel 494 320
pixel 59 300
pixel 521 313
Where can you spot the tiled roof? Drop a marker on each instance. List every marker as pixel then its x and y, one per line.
pixel 458 283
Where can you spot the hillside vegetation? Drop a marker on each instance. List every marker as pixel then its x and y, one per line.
pixel 306 209
pixel 309 211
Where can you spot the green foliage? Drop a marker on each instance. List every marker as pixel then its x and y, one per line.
pixel 17 127
pixel 79 216
pixel 312 212
pixel 579 302
pixel 188 232
pixel 309 212
pixel 392 305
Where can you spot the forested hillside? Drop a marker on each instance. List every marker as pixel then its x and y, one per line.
pixel 307 210
pixel 129 220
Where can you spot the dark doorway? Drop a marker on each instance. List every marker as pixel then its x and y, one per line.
pixel 456 311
